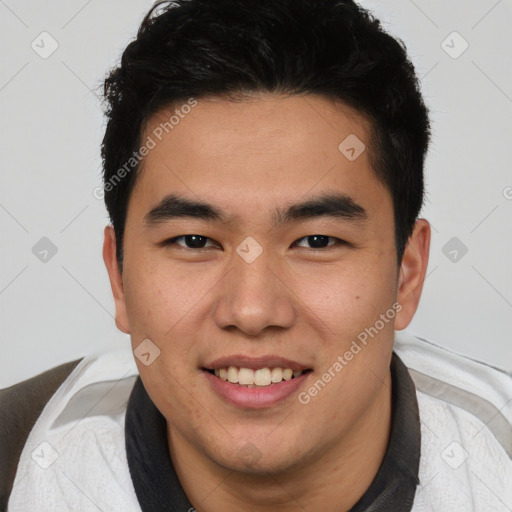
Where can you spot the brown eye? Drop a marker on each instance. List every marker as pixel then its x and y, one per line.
pixel 190 241
pixel 317 241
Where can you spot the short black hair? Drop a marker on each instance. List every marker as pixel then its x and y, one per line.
pixel 230 48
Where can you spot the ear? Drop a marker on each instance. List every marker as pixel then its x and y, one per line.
pixel 412 273
pixel 116 279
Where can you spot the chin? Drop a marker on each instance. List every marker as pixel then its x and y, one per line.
pixel 260 459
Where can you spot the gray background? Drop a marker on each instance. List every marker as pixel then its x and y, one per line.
pixel 61 308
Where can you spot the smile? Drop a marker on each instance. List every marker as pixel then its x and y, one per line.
pixel 260 377
pixel 255 383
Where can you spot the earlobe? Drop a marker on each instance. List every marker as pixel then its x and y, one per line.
pixel 412 273
pixel 116 280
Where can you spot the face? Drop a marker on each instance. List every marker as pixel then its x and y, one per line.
pixel 252 241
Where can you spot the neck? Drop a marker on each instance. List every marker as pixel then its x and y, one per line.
pixel 338 476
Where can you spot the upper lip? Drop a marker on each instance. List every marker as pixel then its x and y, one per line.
pixel 255 363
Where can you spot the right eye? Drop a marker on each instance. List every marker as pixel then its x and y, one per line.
pixel 190 241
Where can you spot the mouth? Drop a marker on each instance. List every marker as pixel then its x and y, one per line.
pixel 255 383
pixel 256 377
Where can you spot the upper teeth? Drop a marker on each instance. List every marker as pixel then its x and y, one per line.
pixel 260 377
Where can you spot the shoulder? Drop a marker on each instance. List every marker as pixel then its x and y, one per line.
pixel 465 411
pixel 84 408
pixel 483 391
pixel 20 406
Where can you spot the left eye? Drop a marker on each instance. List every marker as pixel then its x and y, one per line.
pixel 191 241
pixel 317 241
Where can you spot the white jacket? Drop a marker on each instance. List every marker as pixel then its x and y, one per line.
pixel 75 457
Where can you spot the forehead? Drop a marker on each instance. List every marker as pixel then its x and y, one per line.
pixel 251 154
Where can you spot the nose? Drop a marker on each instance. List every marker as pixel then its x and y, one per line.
pixel 254 297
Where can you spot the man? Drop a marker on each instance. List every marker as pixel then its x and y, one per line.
pixel 263 167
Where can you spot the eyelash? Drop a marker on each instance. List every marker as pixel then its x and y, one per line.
pixel 338 241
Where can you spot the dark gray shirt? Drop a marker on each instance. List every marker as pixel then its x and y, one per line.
pixel 158 488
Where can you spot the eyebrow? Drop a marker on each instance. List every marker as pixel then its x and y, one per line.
pixel 339 206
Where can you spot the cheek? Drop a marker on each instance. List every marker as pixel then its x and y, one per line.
pixel 160 298
pixel 160 307
pixel 346 298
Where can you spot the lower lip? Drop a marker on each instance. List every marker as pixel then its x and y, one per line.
pixel 257 397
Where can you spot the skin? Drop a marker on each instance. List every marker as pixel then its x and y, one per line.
pixel 248 158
